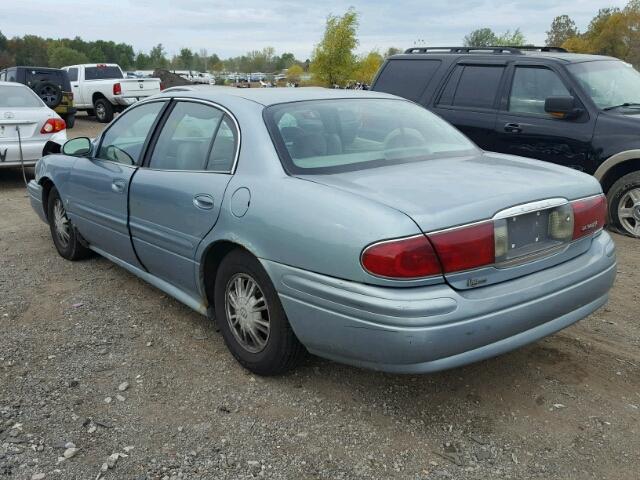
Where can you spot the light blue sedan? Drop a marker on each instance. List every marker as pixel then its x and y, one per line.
pixel 354 225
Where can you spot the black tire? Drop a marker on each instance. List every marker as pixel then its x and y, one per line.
pixel 282 350
pixel 104 110
pixel 620 192
pixel 50 93
pixel 71 249
pixel 70 120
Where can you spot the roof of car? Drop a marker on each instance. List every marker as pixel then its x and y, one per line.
pixel 269 96
pixel 12 84
pixel 565 57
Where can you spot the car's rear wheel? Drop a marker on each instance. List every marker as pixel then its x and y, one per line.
pixel 104 110
pixel 70 120
pixel 624 204
pixel 251 318
pixel 64 235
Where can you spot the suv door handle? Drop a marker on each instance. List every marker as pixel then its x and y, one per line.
pixel 513 128
pixel 118 186
pixel 203 201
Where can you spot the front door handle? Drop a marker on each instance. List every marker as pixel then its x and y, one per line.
pixel 513 128
pixel 203 201
pixel 118 186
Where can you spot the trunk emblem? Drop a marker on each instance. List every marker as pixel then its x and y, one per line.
pixel 9 115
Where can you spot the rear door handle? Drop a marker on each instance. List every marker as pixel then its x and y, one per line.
pixel 513 128
pixel 118 186
pixel 203 201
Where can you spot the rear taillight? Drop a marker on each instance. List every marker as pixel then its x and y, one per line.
pixel 71 96
pixel 589 215
pixel 466 247
pixel 117 88
pixel 53 125
pixel 405 258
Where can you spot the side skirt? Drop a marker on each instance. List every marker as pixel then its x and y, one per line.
pixel 190 301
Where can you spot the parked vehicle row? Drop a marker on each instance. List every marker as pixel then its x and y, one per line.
pixel 580 111
pixel 28 127
pixel 355 225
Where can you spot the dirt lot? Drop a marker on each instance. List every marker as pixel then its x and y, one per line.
pixel 71 334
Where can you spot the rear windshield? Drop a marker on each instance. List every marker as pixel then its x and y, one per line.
pixel 18 97
pixel 102 73
pixel 57 77
pixel 330 136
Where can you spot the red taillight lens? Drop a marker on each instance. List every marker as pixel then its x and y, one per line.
pixel 53 125
pixel 405 258
pixel 117 89
pixel 590 215
pixel 465 248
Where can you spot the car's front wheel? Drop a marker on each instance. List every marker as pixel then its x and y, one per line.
pixel 624 204
pixel 251 318
pixel 64 235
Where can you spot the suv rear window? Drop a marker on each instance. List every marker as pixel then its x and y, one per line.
pixel 57 77
pixel 102 73
pixel 473 86
pixel 406 78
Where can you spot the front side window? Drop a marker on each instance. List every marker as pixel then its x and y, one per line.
pixel 609 83
pixel 124 141
pixel 330 136
pixel 18 97
pixel 472 86
pixel 185 142
pixel 531 87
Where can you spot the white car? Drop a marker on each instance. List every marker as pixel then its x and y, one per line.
pixel 101 89
pixel 21 108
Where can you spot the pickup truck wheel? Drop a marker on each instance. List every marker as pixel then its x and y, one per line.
pixel 64 235
pixel 624 204
pixel 251 318
pixel 104 110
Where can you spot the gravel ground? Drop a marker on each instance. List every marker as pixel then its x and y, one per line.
pixel 103 376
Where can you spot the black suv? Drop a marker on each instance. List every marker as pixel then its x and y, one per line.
pixel 581 111
pixel 52 85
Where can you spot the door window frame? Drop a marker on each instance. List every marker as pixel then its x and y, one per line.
pixel 469 62
pixel 503 107
pixel 153 140
pixel 150 134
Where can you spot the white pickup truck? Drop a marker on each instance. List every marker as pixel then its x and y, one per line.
pixel 102 89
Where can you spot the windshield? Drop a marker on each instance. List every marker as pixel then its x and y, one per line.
pixel 329 136
pixel 18 97
pixel 609 82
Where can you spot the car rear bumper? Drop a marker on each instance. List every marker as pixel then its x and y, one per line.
pixel 35 197
pixel 431 328
pixel 31 150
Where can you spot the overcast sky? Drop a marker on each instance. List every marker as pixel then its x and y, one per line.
pixel 232 27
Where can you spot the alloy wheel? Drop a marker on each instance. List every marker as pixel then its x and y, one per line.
pixel 629 211
pixel 61 223
pixel 101 112
pixel 247 312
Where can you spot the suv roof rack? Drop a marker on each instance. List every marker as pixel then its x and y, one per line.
pixel 497 50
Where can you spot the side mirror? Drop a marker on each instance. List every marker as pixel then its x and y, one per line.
pixel 561 107
pixel 77 147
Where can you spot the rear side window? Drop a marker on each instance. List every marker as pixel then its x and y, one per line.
pixel 472 86
pixel 73 74
pixel 102 72
pixel 406 78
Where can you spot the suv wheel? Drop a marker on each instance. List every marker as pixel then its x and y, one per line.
pixel 251 318
pixel 50 93
pixel 104 110
pixel 624 204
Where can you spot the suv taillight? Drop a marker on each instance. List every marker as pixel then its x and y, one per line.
pixel 53 125
pixel 117 88
pixel 589 215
